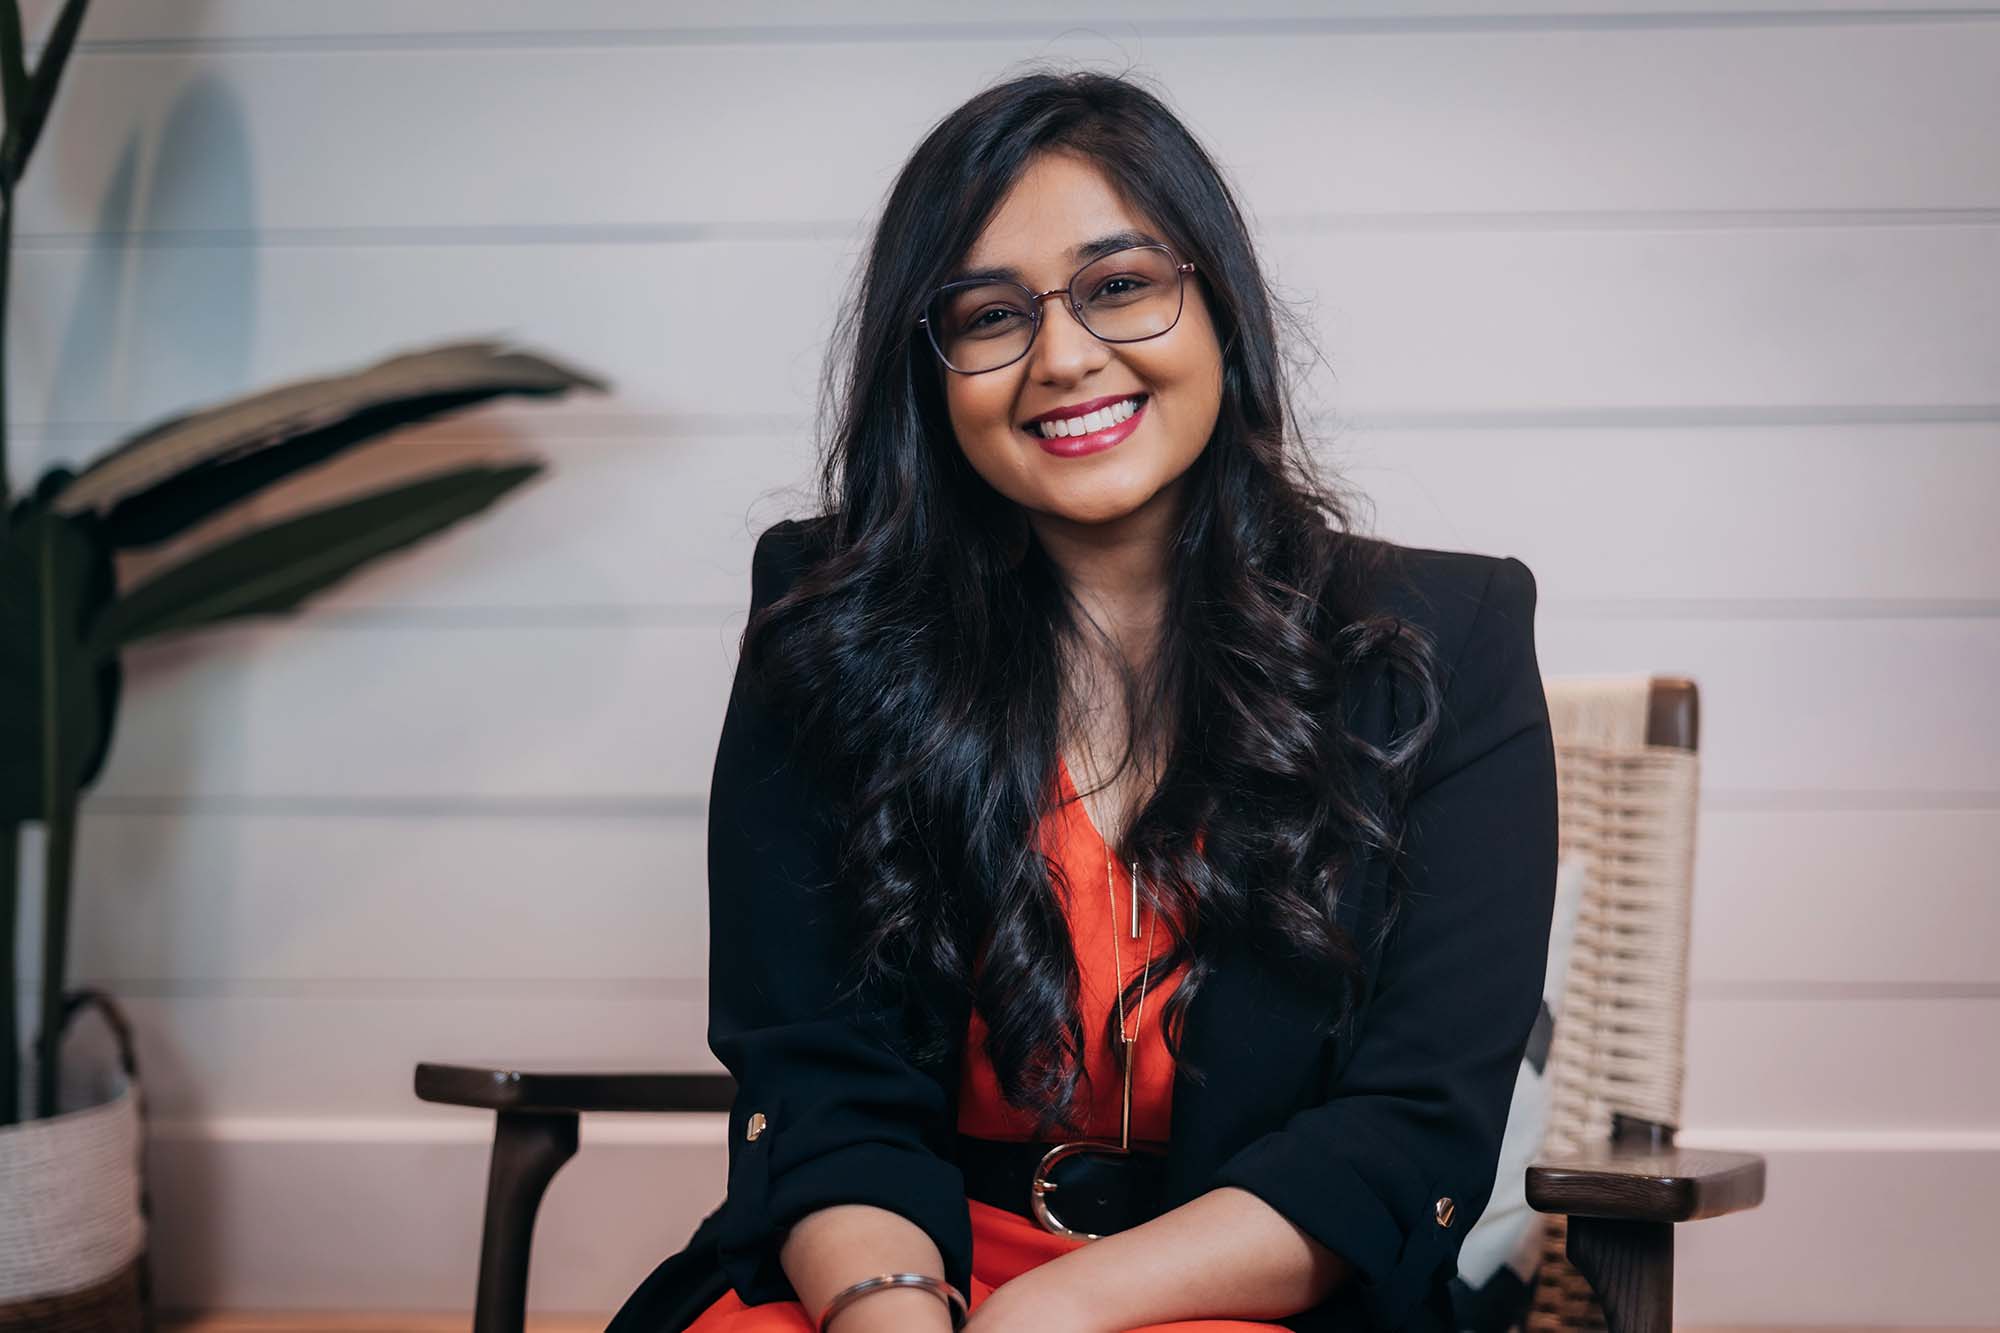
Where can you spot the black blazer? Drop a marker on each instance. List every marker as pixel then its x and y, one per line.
pixel 1382 1144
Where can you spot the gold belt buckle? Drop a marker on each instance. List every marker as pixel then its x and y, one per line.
pixel 1039 1186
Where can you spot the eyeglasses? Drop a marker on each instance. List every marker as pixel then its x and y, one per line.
pixel 981 324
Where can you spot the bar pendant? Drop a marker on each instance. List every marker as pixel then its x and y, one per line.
pixel 1125 1114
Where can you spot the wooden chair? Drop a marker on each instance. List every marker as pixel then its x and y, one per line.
pixel 1627 777
pixel 1626 773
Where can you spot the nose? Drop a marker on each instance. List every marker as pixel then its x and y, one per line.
pixel 1064 349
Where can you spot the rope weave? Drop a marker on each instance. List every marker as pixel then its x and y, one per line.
pixel 73 1254
pixel 70 1220
pixel 1628 810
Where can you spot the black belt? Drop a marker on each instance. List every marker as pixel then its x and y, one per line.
pixel 1090 1189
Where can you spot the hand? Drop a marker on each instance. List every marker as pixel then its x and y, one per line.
pixel 1031 1305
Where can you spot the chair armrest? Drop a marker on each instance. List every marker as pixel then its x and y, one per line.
pixel 1642 1182
pixel 550 1087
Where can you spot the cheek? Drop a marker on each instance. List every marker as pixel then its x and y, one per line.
pixel 981 413
pixel 1201 385
pixel 1205 352
pixel 1190 373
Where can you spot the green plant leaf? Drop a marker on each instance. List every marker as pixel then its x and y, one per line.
pixel 179 502
pixel 41 93
pixel 275 568
pixel 293 426
pixel 53 714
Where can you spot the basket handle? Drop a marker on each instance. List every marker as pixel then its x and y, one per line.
pixel 108 1009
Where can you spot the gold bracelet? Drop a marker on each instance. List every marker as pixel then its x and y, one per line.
pixel 938 1287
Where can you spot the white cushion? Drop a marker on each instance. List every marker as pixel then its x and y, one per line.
pixel 1509 1234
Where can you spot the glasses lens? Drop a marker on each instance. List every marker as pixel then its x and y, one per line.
pixel 1130 294
pixel 981 326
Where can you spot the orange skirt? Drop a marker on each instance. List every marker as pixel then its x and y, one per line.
pixel 1096 897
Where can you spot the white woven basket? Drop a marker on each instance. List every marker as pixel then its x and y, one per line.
pixel 70 1198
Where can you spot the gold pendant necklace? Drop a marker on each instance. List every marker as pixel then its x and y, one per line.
pixel 1126 1040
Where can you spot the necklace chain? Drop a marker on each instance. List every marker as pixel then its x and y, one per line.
pixel 1117 961
pixel 1127 1039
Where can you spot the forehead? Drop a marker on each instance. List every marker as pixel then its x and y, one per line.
pixel 1046 224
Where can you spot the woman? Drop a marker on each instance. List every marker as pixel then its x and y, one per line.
pixel 1087 781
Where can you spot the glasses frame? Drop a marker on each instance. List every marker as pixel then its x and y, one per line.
pixel 1181 269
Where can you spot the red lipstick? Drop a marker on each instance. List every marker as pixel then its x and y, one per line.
pixel 1084 408
pixel 1075 446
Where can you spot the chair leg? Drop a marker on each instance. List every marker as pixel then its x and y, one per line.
pixel 1630 1266
pixel 528 1148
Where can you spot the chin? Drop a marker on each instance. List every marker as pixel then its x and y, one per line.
pixel 1106 505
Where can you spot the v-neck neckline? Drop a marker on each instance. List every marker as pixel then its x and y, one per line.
pixel 1070 788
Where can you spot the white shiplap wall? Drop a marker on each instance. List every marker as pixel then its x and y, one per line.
pixel 1696 309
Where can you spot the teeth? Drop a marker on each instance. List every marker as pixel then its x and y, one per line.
pixel 1092 421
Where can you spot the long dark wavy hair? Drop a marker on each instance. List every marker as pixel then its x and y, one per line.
pixel 922 651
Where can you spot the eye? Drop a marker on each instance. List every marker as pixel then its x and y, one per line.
pixel 1121 287
pixel 992 320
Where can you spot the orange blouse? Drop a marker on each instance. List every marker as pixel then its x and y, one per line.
pixel 1094 911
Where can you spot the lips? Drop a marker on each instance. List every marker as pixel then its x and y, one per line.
pixel 1072 446
pixel 1081 409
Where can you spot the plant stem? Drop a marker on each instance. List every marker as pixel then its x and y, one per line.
pixel 6 263
pixel 10 1021
pixel 59 829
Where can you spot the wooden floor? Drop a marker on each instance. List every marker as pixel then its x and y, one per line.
pixel 335 1321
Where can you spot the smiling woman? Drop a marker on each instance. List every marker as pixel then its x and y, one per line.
pixel 1121 916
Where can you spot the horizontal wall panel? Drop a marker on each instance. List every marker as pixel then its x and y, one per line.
pixel 1485 119
pixel 353 1050
pixel 210 900
pixel 1843 1063
pixel 1845 899
pixel 144 20
pixel 1850 1237
pixel 206 897
pixel 1650 322
pixel 1427 328
pixel 336 1217
pixel 1815 708
pixel 395 713
pixel 614 526
pixel 1737 514
pixel 392 714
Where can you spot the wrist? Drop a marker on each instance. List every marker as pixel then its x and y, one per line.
pixel 1070 1302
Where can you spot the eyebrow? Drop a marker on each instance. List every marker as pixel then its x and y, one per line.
pixel 1080 254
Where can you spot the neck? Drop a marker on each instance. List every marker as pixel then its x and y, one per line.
pixel 1118 569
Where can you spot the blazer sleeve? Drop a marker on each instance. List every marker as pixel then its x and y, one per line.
pixel 1396 1164
pixel 842 1115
